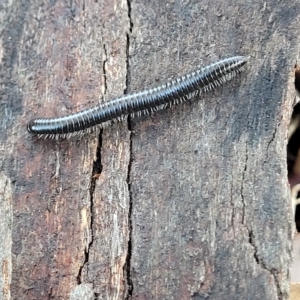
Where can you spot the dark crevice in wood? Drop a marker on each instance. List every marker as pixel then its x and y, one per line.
pixel 272 140
pixel 250 231
pixel 242 185
pixel 127 267
pixel 50 294
pixel 130 19
pixel 129 246
pixel 97 169
pixel 260 262
pixel 104 68
pixel 251 241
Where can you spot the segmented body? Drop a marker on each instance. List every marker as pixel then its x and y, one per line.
pixel 181 89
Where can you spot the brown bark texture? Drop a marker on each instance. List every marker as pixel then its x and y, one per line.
pixel 191 202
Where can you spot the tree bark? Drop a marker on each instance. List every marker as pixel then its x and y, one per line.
pixel 191 202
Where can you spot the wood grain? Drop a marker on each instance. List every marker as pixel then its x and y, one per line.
pixel 189 203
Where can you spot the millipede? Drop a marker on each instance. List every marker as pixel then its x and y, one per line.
pixel 181 89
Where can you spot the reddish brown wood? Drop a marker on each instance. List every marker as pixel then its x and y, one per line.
pixel 190 203
pixel 60 57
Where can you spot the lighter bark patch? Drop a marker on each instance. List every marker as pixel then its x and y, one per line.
pixel 6 219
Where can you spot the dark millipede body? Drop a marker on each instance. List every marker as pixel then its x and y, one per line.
pixel 175 91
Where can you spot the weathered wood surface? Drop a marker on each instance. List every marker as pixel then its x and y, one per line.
pixel 190 203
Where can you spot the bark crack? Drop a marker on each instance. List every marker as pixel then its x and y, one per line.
pixel 242 185
pixel 261 263
pixel 97 169
pixel 104 68
pixel 252 243
pixel 129 246
pixel 251 235
pixel 127 267
pixel 50 294
pixel 130 20
pixel 272 139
